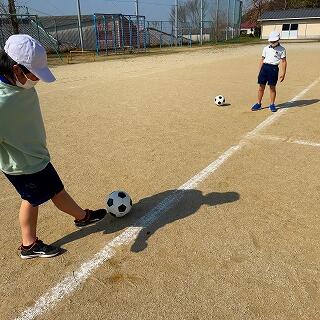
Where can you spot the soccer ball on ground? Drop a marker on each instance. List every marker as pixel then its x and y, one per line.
pixel 219 100
pixel 118 203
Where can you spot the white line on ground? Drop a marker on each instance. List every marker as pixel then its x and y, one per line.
pixel 71 282
pixel 307 143
pixel 289 140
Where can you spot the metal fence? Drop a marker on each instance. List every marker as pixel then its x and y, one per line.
pixel 26 24
pixel 117 32
pixel 114 33
pixel 65 29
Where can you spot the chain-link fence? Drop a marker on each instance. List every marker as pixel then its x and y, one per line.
pixel 113 33
pixel 226 15
pixel 162 34
pixel 65 29
pixel 26 24
pixel 117 32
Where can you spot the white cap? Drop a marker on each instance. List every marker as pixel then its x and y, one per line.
pixel 28 52
pixel 274 36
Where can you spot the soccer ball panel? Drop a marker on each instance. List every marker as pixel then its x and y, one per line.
pixel 122 208
pixel 121 195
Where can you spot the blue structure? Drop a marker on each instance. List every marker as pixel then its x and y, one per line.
pixel 118 32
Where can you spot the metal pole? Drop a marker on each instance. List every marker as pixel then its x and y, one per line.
pixel 138 23
pixel 234 19
pixel 97 34
pixel 56 32
pixel 80 25
pixel 122 33
pixel 240 17
pixel 145 35
pixel 201 22
pixel 176 21
pixel 38 31
pixel 105 27
pixel 130 30
pixel 114 36
pixel 161 35
pixel 228 19
pixel 217 17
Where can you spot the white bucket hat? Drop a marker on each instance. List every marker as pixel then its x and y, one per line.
pixel 274 36
pixel 28 52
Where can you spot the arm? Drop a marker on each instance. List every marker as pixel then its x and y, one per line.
pixel 284 65
pixel 261 63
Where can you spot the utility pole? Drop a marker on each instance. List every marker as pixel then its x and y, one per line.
pixel 228 20
pixel 201 22
pixel 217 19
pixel 13 16
pixel 80 25
pixel 240 17
pixel 138 23
pixel 234 20
pixel 176 21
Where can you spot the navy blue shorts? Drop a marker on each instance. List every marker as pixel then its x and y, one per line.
pixel 39 187
pixel 269 74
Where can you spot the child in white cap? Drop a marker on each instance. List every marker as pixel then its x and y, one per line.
pixel 24 157
pixel 272 56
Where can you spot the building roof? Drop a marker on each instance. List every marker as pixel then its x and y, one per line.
pixel 64 21
pixel 61 21
pixel 303 13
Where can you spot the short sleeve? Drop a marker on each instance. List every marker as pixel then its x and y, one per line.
pixel 283 54
pixel 264 53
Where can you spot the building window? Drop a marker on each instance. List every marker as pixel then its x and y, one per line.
pixel 290 27
pixel 285 27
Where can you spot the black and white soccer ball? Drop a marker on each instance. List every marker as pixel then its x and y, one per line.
pixel 118 203
pixel 219 100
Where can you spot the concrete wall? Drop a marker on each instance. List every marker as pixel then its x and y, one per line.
pixel 307 29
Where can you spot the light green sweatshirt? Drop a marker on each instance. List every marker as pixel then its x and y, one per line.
pixel 23 147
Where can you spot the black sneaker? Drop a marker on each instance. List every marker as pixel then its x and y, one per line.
pixel 39 249
pixel 92 216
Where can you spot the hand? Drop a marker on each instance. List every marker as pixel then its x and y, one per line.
pixel 282 77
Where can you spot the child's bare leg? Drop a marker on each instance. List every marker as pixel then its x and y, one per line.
pixel 273 94
pixel 65 203
pixel 261 92
pixel 28 218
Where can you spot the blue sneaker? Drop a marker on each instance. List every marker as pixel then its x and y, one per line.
pixel 256 107
pixel 273 108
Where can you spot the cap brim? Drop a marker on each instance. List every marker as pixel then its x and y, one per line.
pixel 274 39
pixel 44 74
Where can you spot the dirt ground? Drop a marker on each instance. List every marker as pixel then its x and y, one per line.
pixel 244 245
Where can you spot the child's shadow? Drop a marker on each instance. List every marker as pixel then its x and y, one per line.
pixel 297 103
pixel 154 212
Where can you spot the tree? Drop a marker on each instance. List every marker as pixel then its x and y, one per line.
pixel 190 11
pixel 182 15
pixel 13 16
pixel 257 7
pixel 302 4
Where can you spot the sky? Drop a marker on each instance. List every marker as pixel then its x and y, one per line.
pixel 152 9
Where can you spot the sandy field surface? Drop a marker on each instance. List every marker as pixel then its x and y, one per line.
pixel 243 244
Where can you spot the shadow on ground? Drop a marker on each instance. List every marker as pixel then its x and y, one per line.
pixel 153 213
pixel 298 103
